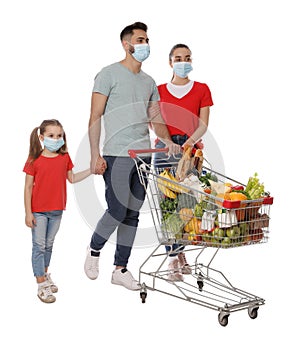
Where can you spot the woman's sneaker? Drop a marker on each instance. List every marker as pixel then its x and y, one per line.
pixel 174 274
pixel 91 265
pixel 184 266
pixel 44 293
pixel 53 287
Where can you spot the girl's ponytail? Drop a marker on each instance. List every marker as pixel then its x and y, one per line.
pixel 35 147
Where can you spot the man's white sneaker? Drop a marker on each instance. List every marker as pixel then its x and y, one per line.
pixel 53 287
pixel 91 265
pixel 45 294
pixel 124 277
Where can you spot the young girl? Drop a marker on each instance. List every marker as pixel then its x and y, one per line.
pixel 47 170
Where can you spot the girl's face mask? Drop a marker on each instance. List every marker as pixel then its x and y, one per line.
pixel 53 145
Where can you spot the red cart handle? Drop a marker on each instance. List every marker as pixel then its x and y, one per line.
pixel 134 153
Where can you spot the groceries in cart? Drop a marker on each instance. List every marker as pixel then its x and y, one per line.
pixel 208 208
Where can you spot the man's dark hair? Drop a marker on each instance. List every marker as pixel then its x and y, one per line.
pixel 130 28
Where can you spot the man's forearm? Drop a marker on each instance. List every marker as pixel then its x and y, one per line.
pixel 94 135
pixel 158 124
pixel 161 131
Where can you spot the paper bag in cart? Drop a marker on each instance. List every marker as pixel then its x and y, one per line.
pixel 188 162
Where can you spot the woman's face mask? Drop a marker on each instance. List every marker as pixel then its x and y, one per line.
pixel 182 69
pixel 53 145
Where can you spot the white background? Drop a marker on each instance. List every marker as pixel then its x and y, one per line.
pixel 247 52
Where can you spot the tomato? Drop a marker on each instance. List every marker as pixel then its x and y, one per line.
pixel 237 188
pixel 197 239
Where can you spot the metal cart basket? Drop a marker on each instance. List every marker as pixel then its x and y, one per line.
pixel 186 214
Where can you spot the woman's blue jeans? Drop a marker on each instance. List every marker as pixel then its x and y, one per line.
pixel 161 160
pixel 43 235
pixel 125 196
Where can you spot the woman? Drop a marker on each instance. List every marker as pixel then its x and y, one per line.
pixel 185 106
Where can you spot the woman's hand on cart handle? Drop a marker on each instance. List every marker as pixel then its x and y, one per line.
pixel 191 143
pixel 173 148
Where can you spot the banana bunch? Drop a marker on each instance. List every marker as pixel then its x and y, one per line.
pixel 169 188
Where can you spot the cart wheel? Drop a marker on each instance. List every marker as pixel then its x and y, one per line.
pixel 200 284
pixel 143 296
pixel 223 318
pixel 143 292
pixel 252 311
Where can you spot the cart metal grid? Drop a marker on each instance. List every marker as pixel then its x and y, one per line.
pixel 199 221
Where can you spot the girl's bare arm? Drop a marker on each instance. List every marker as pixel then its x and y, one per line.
pixel 29 218
pixel 76 177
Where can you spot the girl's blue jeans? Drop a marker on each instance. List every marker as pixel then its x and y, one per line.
pixel 43 235
pixel 125 196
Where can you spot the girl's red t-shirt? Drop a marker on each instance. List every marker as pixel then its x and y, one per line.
pixel 49 190
pixel 181 115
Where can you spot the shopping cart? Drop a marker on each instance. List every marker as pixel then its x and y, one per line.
pixel 197 219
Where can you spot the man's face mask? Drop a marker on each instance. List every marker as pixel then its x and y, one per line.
pixel 141 52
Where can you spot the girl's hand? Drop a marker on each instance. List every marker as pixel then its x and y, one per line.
pixel 30 220
pixel 98 165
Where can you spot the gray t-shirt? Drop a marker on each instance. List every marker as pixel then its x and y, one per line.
pixel 125 117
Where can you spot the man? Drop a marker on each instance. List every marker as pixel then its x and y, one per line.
pixel 127 99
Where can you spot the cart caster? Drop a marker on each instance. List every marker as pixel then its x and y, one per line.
pixel 143 296
pixel 200 284
pixel 223 318
pixel 252 311
pixel 143 293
